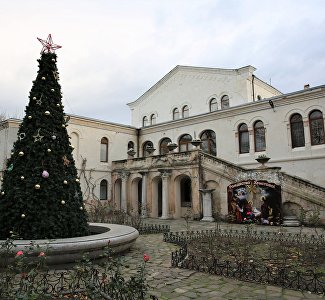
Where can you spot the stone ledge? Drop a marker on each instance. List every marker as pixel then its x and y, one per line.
pixel 62 251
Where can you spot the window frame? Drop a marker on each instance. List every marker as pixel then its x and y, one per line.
pixel 176 113
pixel 210 141
pixel 186 142
pixel 101 189
pixel 243 132
pixel 153 119
pixel 163 149
pixel 295 126
pixel 104 149
pixel 185 111
pixel 225 99
pixel 213 103
pixel 319 122
pixel 260 134
pixel 145 121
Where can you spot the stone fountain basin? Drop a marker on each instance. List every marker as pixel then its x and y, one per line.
pixel 68 250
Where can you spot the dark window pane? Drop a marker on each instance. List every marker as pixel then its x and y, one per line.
pixel 208 145
pixel 259 134
pixel 104 150
pixel 185 143
pixel 163 146
pixel 316 124
pixel 243 139
pixel 213 104
pixel 175 114
pixel 297 131
pixel 103 190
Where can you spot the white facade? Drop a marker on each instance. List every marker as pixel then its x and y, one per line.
pixel 156 179
pixel 195 87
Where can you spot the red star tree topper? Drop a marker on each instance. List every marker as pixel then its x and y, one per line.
pixel 48 45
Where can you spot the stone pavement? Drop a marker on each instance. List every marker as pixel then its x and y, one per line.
pixel 180 284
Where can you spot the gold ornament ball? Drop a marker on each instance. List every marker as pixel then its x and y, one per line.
pixel 58 104
pixel 77 180
pixel 21 153
pixel 53 59
pixel 12 153
pixel 22 177
pixel 65 182
pixel 29 117
pixel 37 186
pixel 34 98
pixel 62 202
pixel 23 215
pixel 72 146
pixel 81 208
pixel 63 125
pixel 43 78
pixel 49 150
pixel 52 90
pixel 2 193
pixel 47 113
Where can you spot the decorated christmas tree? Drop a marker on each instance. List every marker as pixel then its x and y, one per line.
pixel 40 193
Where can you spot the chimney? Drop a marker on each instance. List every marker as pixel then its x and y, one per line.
pixel 306 86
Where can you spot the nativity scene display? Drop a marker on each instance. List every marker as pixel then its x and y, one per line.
pixel 254 201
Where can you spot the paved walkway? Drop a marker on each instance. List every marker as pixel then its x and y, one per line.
pixel 173 283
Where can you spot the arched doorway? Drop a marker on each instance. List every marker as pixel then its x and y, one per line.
pixel 183 196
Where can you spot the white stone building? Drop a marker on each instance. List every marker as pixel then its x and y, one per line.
pixel 235 115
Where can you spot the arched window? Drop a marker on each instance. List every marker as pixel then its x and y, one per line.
pixel 225 102
pixel 145 121
pixel 185 111
pixel 186 192
pixel 130 145
pixel 175 114
pixel 316 125
pixel 147 148
pixel 163 146
pixel 104 150
pixel 185 143
pixel 243 138
pixel 297 131
pixel 103 190
pixel 259 136
pixel 153 119
pixel 213 104
pixel 208 145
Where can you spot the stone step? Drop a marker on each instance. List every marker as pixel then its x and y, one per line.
pixel 290 218
pixel 291 223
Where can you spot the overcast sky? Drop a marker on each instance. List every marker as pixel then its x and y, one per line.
pixel 114 51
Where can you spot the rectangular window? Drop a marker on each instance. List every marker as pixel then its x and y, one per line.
pixel 103 152
pixel 260 139
pixel 103 192
pixel 298 136
pixel 244 142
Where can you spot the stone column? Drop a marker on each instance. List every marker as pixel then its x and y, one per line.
pixel 207 204
pixel 144 213
pixel 124 178
pixel 165 174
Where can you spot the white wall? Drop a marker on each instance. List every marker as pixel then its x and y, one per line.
pixel 195 87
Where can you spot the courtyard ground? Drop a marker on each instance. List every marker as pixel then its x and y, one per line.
pixel 180 284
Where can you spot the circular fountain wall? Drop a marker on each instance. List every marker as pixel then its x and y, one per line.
pixel 62 251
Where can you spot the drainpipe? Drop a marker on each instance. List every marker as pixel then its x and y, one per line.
pixel 138 141
pixel 253 77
